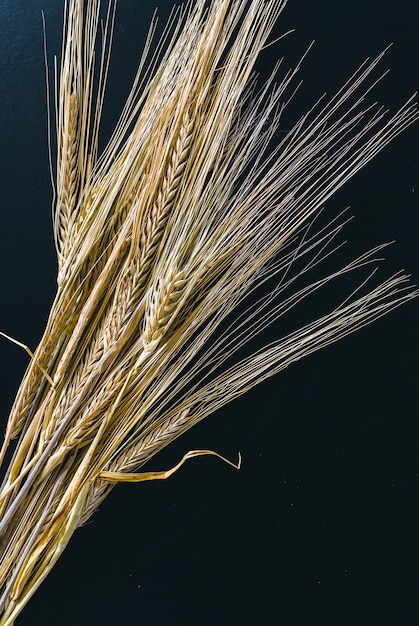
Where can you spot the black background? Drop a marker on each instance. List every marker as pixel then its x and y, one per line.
pixel 320 526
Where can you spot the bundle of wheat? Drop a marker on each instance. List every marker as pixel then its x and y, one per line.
pixel 163 240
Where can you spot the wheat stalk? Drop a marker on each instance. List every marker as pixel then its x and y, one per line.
pixel 193 209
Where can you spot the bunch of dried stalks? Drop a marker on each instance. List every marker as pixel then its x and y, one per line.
pixel 163 240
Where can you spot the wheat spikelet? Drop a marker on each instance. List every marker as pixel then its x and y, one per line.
pixel 156 221
pixel 192 209
pixel 150 443
pixel 68 186
pixel 162 304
